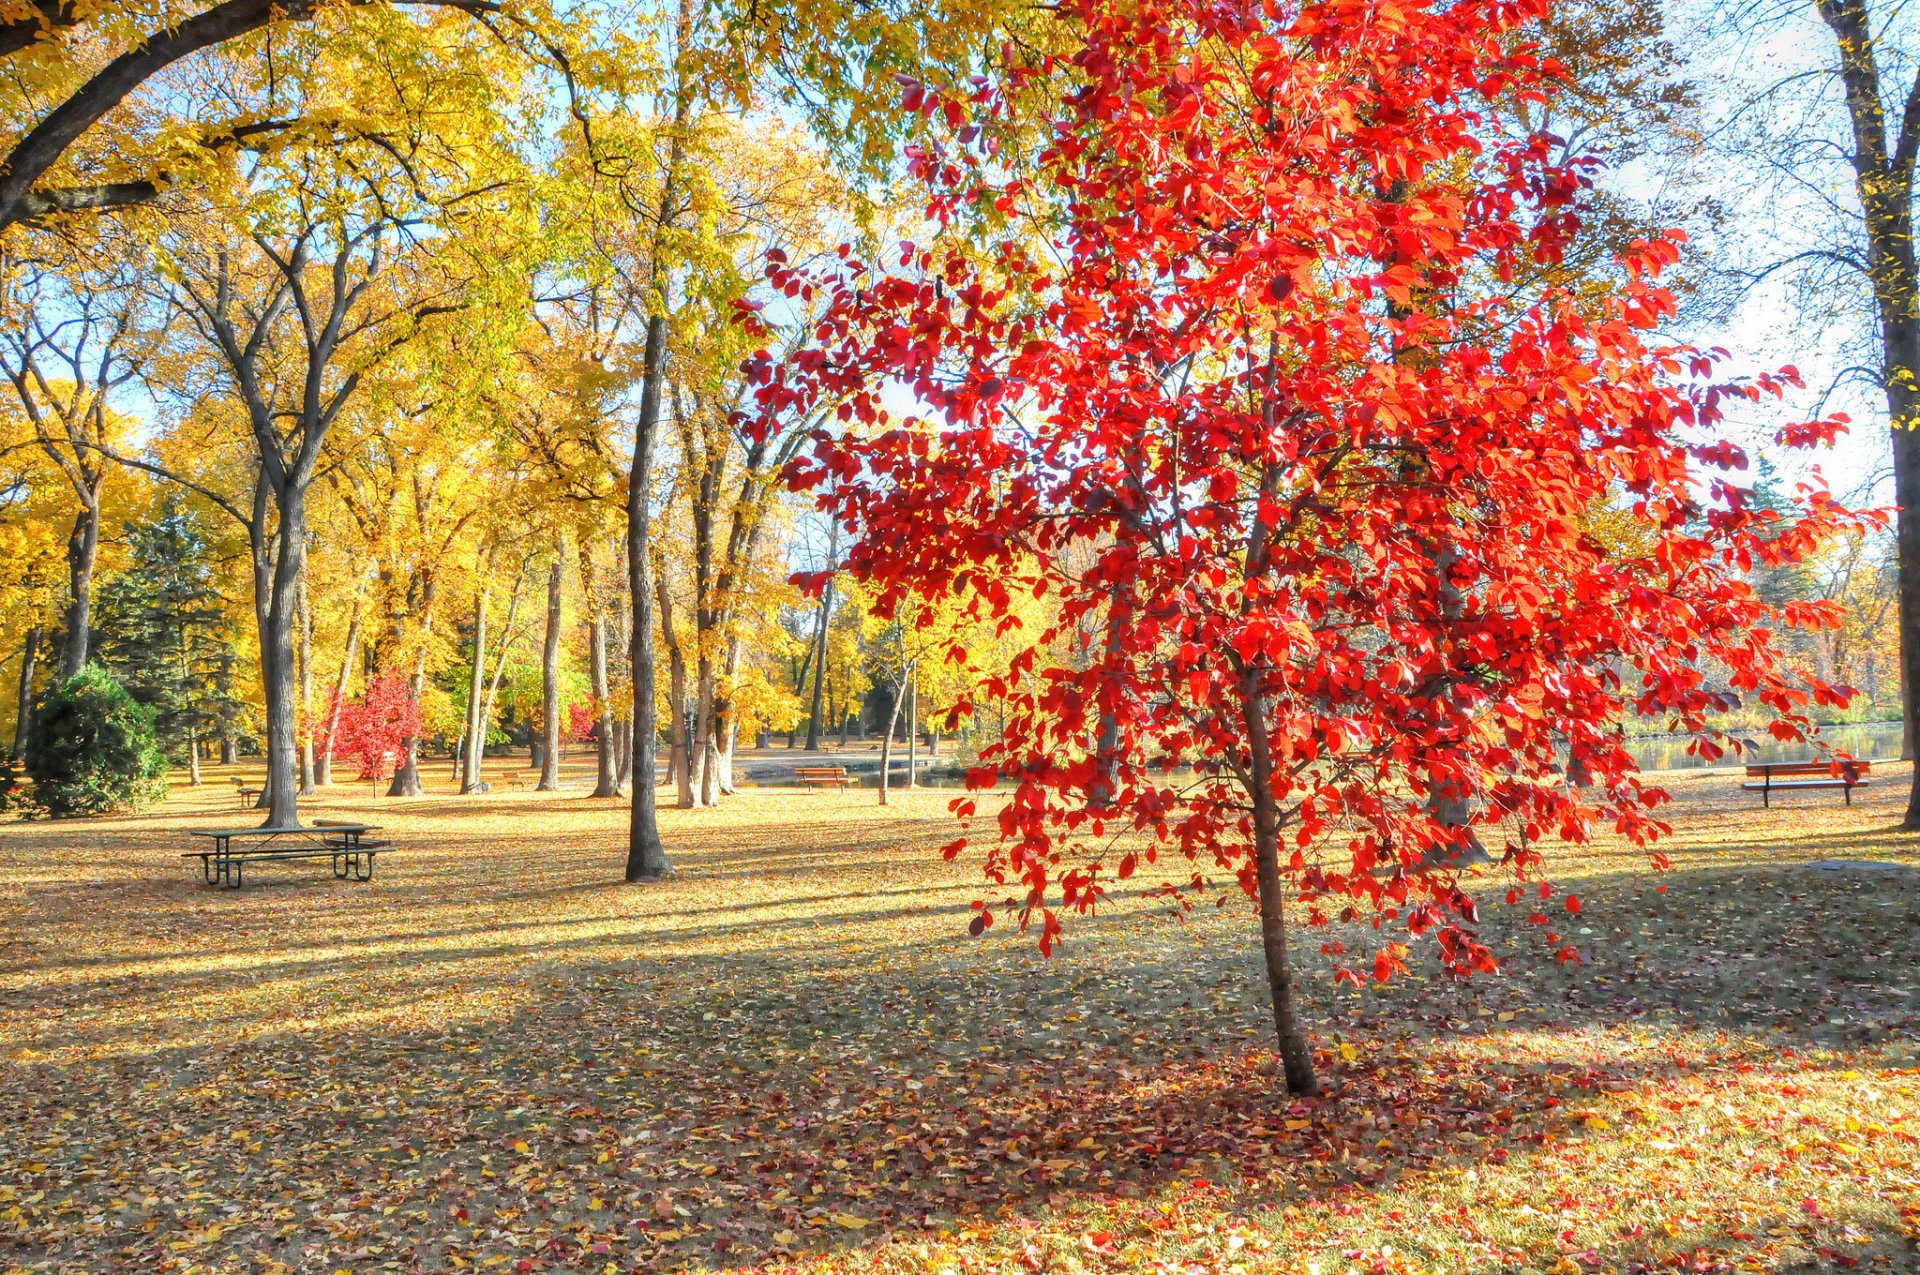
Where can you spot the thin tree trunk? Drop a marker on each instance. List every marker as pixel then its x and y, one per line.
pixel 193 757
pixel 1296 1056
pixel 886 741
pixel 913 721
pixel 306 688
pixel 550 686
pixel 606 784
pixel 815 723
pixel 493 687
pixel 476 732
pixel 678 762
pixel 23 702
pixel 229 752
pixel 83 551
pixel 341 686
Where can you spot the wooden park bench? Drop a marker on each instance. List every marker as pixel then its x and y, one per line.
pixel 249 794
pixel 1769 777
pixel 346 845
pixel 824 777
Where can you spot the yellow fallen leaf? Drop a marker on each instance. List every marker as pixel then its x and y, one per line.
pixel 668 1236
pixel 849 1221
pixel 521 1147
pixel 1595 1122
pixel 784 1237
pixel 1504 1016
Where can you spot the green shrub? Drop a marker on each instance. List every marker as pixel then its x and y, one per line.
pixel 91 748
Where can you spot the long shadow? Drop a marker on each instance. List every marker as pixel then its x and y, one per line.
pixel 714 1102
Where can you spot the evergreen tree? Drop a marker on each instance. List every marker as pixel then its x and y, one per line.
pixel 165 634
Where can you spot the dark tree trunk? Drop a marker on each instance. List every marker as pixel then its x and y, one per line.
pixel 282 786
pixel 1883 180
pixel 83 551
pixel 1296 1056
pixel 23 701
pixel 550 687
pixel 229 754
pixel 646 856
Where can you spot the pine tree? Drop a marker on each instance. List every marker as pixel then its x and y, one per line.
pixel 165 633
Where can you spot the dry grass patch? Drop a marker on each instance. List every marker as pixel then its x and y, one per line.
pixel 495 1056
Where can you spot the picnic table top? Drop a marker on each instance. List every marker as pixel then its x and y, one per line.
pixel 314 829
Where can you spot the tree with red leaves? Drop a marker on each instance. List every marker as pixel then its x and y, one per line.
pixel 1363 536
pixel 373 730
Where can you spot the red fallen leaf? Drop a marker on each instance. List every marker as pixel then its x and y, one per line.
pixel 663 1208
pixel 1098 1241
pixel 1573 904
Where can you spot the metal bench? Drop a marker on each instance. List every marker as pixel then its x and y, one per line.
pixel 1769 777
pixel 824 777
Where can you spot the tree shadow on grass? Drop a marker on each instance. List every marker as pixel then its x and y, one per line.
pixel 708 1109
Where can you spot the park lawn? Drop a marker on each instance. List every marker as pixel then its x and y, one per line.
pixel 792 1056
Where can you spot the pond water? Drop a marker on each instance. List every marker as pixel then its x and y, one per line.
pixel 1869 741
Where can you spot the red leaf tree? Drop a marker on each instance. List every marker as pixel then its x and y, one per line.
pixel 373 730
pixel 1260 373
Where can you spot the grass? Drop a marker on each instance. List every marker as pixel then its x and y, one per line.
pixel 792 1056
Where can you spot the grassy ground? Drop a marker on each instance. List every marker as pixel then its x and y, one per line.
pixel 793 1057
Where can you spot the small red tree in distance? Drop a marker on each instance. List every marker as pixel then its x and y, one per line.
pixel 1262 377
pixel 375 728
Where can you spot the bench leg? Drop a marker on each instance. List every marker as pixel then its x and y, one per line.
pixel 1849 794
pixel 340 866
pixel 363 867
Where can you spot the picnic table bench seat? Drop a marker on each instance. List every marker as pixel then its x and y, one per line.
pixel 824 777
pixel 1769 777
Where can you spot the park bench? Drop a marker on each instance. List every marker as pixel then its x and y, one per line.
pixel 249 793
pixel 1769 777
pixel 345 845
pixel 824 777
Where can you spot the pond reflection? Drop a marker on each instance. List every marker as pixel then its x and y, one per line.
pixel 1870 741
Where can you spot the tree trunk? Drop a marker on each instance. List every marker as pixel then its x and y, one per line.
pixel 679 767
pixel 815 723
pixel 406 776
pixel 193 757
pixel 493 687
pixel 606 783
pixel 913 721
pixel 1883 181
pixel 229 754
pixel 623 756
pixel 306 688
pixel 1296 1057
pixel 341 686
pixel 646 856
pixel 886 740
pixel 550 686
pixel 476 731
pixel 23 702
pixel 83 550
pixel 282 787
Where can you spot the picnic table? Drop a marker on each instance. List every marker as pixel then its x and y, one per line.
pixel 223 861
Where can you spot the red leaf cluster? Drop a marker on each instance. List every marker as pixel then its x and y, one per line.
pixel 374 729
